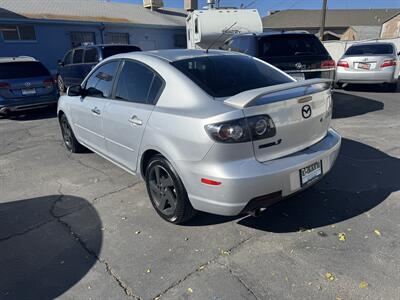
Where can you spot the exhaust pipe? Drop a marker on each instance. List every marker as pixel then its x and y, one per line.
pixel 257 212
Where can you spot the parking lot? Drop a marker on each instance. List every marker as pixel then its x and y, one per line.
pixel 76 226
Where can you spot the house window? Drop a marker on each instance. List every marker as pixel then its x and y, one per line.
pixel 117 38
pixel 180 41
pixel 18 32
pixel 79 38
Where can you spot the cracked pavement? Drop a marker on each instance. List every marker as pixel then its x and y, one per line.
pixel 78 227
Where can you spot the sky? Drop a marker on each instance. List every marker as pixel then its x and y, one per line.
pixel 265 5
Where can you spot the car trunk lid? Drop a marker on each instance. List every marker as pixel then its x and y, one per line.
pixel 301 112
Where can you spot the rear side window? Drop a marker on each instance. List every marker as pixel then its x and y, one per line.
pixel 91 55
pixel 290 45
pixel 14 70
pixel 101 81
pixel 68 58
pixel 378 49
pixel 228 75
pixel 113 50
pixel 137 83
pixel 78 56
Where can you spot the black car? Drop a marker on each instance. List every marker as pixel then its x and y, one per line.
pixel 78 62
pixel 301 55
pixel 25 83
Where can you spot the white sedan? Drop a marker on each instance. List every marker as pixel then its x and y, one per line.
pixel 214 131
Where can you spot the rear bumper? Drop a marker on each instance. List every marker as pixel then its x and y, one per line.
pixel 248 183
pixel 11 105
pixel 365 77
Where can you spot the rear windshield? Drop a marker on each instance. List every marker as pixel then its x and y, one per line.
pixel 370 49
pixel 228 75
pixel 113 50
pixel 14 70
pixel 290 45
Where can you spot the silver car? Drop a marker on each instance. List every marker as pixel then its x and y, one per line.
pixel 369 63
pixel 219 132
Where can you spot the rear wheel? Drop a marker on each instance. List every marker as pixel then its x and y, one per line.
pixel 60 83
pixel 166 191
pixel 71 143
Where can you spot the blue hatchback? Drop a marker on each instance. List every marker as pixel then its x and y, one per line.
pixel 25 83
pixel 78 62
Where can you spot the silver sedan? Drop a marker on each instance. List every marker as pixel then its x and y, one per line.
pixel 213 131
pixel 369 63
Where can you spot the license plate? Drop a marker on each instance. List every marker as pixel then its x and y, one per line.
pixel 364 66
pixel 28 91
pixel 298 76
pixel 310 173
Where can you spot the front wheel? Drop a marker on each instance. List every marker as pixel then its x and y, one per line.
pixel 70 141
pixel 167 192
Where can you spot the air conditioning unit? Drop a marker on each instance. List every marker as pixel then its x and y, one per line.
pixel 153 4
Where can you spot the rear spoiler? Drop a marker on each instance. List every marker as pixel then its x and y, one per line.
pixel 245 99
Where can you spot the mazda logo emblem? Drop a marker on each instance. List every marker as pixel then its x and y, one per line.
pixel 306 111
pixel 27 84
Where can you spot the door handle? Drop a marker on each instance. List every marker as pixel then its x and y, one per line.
pixel 96 110
pixel 135 120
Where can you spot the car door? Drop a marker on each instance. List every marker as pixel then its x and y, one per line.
pixel 91 58
pixel 77 68
pixel 87 112
pixel 125 117
pixel 65 69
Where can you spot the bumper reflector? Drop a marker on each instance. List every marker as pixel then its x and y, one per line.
pixel 210 182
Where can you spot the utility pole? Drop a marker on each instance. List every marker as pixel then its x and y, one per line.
pixel 323 18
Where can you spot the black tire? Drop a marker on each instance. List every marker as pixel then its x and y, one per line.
pixel 60 84
pixel 338 85
pixel 167 192
pixel 70 141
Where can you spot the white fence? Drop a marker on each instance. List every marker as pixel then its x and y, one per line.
pixel 337 48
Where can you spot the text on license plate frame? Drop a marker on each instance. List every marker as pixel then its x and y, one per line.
pixel 310 173
pixel 364 66
pixel 28 92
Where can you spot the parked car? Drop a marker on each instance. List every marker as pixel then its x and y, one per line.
pixel 219 132
pixel 78 62
pixel 369 63
pixel 299 54
pixel 25 83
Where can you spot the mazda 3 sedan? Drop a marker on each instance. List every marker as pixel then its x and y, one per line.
pixel 220 132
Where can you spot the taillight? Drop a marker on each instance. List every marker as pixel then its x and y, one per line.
pixel 343 64
pixel 328 64
pixel 388 63
pixel 49 82
pixel 4 85
pixel 242 130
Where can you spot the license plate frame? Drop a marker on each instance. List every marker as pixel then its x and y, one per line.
pixel 28 92
pixel 364 66
pixel 298 76
pixel 310 173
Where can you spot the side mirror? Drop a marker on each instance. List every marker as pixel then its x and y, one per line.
pixel 60 63
pixel 75 90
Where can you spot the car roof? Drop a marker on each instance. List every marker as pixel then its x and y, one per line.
pixel 16 59
pixel 172 55
pixel 371 44
pixel 271 33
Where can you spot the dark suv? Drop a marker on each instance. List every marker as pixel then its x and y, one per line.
pixel 78 62
pixel 301 55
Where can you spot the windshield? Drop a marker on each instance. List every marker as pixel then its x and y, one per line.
pixel 13 70
pixel 113 50
pixel 370 49
pixel 228 75
pixel 290 45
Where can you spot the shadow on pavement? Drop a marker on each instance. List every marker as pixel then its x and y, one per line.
pixel 31 115
pixel 40 257
pixel 347 105
pixel 362 178
pixel 370 88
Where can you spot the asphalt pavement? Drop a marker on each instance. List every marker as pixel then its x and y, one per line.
pixel 74 226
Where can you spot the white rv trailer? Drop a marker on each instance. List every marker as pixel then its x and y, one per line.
pixel 213 26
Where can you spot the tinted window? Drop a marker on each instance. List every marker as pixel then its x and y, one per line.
pixel 68 58
pixel 290 45
pixel 100 82
pixel 18 32
pixel 156 89
pixel 91 55
pixel 78 56
pixel 112 50
pixel 228 75
pixel 22 70
pixel 370 49
pixel 134 82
